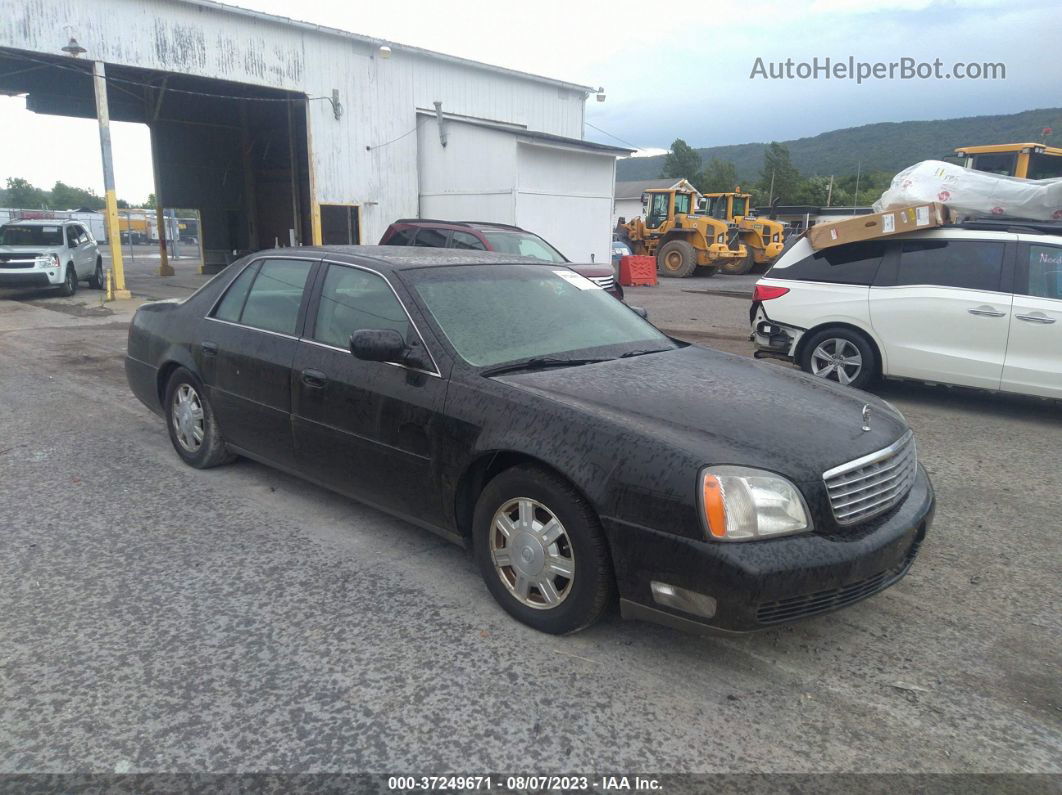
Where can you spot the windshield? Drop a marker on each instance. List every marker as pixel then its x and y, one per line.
pixel 523 243
pixel 12 235
pixel 505 313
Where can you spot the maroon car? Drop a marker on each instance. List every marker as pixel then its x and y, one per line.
pixel 485 236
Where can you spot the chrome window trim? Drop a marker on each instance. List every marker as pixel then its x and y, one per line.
pixel 253 328
pixel 870 458
pixel 210 312
pixel 436 372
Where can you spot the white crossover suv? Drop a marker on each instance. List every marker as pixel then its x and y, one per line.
pixel 977 304
pixel 44 253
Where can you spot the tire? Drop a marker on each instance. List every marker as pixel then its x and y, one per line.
pixel 541 556
pixel 96 280
pixel 69 281
pixel 676 259
pixel 818 357
pixel 184 389
pixel 738 267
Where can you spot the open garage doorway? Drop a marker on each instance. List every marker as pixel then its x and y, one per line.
pixel 236 153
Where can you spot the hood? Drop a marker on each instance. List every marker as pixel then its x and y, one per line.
pixel 726 409
pixel 594 269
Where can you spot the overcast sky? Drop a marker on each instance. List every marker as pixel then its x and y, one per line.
pixel 668 71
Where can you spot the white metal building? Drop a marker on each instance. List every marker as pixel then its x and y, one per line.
pixel 275 129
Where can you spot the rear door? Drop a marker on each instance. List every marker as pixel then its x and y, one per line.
pixel 941 310
pixel 247 350
pixel 1033 363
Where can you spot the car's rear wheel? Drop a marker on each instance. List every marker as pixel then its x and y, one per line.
pixel 69 281
pixel 190 420
pixel 97 281
pixel 541 551
pixel 840 355
pixel 676 258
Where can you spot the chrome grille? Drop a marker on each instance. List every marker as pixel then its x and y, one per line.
pixel 869 486
pixel 604 282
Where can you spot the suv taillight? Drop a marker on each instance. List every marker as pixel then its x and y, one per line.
pixel 765 292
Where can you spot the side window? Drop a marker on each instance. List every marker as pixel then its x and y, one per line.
pixel 403 237
pixel 855 263
pixel 1045 271
pixel 432 238
pixel 466 240
pixel 353 299
pixel 971 264
pixel 231 305
pixel 274 299
pixel 71 235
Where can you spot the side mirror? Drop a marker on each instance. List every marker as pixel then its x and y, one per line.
pixel 378 345
pixel 640 311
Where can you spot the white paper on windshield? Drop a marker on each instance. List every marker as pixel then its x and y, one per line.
pixel 50 228
pixel 579 281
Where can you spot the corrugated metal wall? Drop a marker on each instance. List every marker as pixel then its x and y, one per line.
pixel 362 158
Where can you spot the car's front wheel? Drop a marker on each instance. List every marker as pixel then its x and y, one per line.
pixel 841 355
pixel 190 419
pixel 69 281
pixel 541 551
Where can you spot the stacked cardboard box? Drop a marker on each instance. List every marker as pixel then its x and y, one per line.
pixel 868 227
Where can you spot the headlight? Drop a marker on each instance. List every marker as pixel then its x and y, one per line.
pixel 721 238
pixel 742 504
pixel 48 261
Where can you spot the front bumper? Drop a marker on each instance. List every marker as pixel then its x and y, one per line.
pixel 27 278
pixel 758 584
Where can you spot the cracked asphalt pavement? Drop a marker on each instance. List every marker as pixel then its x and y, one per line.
pixel 158 618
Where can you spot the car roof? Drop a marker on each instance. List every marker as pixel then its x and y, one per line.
pixel 407 257
pixel 39 222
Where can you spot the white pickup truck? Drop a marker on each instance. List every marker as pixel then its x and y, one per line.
pixel 49 253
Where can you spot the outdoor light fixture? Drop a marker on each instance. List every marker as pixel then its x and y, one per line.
pixel 385 51
pixel 601 94
pixel 73 48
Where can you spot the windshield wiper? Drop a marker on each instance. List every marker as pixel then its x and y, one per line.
pixel 629 354
pixel 538 362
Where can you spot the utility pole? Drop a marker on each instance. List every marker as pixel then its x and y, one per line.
pixel 829 191
pixel 103 116
pixel 770 197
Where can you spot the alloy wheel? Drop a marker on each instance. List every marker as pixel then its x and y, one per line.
pixel 187 418
pixel 837 360
pixel 532 553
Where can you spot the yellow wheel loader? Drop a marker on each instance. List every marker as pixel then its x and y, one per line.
pixel 762 237
pixel 681 240
pixel 1028 160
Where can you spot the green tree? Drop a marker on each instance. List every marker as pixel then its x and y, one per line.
pixel 67 197
pixel 779 178
pixel 719 176
pixel 815 191
pixel 682 162
pixel 20 193
pixel 122 204
pixel 150 203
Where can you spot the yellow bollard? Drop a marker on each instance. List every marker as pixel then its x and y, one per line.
pixel 110 286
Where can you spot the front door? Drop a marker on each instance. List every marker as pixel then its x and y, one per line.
pixel 941 312
pixel 367 429
pixel 248 346
pixel 1034 351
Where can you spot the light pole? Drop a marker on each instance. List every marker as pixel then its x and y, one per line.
pixel 110 216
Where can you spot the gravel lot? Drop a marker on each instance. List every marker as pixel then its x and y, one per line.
pixel 158 618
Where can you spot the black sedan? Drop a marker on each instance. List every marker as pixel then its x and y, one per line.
pixel 518 409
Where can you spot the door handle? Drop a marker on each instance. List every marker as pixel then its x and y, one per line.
pixel 1037 318
pixel 210 349
pixel 314 379
pixel 986 311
